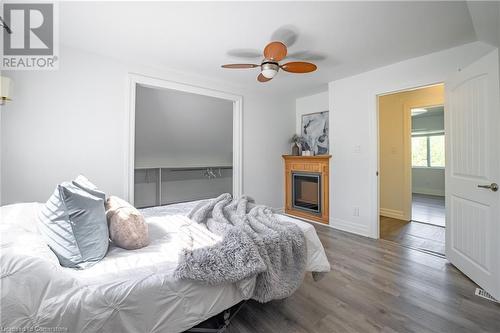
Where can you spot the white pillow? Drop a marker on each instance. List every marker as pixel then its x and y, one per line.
pixel 19 233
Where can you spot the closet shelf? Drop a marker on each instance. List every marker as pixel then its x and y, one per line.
pixel 210 172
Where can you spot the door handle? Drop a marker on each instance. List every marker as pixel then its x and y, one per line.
pixel 492 186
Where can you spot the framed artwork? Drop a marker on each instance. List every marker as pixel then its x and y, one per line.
pixel 315 132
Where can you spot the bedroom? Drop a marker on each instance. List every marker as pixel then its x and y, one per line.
pixel 76 118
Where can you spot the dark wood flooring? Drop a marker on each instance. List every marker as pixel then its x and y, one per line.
pixel 375 286
pixel 421 236
pixel 428 209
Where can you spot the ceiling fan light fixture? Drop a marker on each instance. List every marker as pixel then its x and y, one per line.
pixel 274 52
pixel 269 70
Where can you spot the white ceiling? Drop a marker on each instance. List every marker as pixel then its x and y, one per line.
pixel 195 37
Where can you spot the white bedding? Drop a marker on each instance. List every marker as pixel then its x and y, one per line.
pixel 128 291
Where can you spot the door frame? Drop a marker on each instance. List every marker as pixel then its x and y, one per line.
pixel 135 80
pixel 406 148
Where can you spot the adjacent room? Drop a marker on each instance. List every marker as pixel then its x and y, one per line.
pixel 179 166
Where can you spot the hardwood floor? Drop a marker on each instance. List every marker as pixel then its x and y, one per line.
pixel 428 209
pixel 375 286
pixel 417 235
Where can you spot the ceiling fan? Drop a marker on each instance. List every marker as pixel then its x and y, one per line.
pixel 274 52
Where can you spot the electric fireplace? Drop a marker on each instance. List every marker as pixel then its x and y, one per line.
pixel 307 187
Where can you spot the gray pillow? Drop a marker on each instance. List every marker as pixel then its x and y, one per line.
pixel 73 223
pixel 82 182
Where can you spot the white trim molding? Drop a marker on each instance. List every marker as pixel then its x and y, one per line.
pixel 429 191
pixel 354 228
pixel 137 79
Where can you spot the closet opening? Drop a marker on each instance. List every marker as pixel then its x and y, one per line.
pixel 185 143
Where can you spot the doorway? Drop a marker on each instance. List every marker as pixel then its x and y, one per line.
pixel 412 168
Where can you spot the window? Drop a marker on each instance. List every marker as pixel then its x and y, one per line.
pixel 419 151
pixel 427 150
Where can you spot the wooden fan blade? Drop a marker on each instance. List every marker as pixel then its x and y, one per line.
pixel 298 67
pixel 275 51
pixel 239 66
pixel 262 78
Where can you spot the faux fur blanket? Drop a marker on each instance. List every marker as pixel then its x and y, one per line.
pixel 254 242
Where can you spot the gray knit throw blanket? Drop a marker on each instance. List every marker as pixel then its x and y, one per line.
pixel 254 242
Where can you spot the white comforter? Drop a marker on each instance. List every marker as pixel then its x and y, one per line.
pixel 128 291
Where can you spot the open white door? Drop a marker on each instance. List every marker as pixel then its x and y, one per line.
pixel 472 123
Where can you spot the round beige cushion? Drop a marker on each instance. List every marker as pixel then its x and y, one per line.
pixel 127 227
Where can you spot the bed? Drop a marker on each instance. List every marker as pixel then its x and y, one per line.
pixel 128 291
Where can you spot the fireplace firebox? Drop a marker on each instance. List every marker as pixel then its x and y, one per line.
pixel 306 192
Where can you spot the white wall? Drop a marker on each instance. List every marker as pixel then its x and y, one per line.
pixel 309 104
pixel 72 121
pixel 269 123
pixel 62 123
pixel 353 124
pixel 428 181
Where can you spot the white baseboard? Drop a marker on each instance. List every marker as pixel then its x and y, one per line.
pixel 351 227
pixel 340 224
pixel 428 191
pixel 392 213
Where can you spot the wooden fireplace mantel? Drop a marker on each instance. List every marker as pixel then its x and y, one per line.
pixel 319 164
